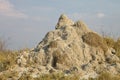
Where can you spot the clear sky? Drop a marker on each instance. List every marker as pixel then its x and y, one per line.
pixel 26 22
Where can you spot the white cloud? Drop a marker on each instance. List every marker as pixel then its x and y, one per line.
pixel 100 15
pixel 8 9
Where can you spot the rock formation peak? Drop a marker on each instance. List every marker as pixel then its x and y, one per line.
pixel 63 21
pixel 63 16
pixel 74 45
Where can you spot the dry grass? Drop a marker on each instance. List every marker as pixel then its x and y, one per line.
pixel 59 76
pixel 53 76
pixel 109 41
pixel 105 76
pixel 26 77
pixel 7 59
pixel 108 76
pixel 9 75
pixel 95 40
pixel 117 47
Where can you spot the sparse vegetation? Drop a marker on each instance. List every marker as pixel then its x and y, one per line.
pixel 117 47
pixel 95 40
pixel 112 43
pixel 7 57
pixel 105 42
pixel 59 76
pixel 109 41
pixel 8 75
pixel 107 76
pixel 26 77
pixel 53 76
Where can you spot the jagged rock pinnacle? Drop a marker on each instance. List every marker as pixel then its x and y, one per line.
pixel 63 16
pixel 64 21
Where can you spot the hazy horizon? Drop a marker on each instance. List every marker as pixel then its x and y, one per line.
pixel 26 22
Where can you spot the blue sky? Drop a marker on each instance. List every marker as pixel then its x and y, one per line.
pixel 26 22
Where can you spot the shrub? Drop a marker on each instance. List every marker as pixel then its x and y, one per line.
pixel 109 41
pixel 95 40
pixel 114 44
pixel 117 47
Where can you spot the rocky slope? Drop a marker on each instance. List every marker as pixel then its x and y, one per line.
pixel 71 47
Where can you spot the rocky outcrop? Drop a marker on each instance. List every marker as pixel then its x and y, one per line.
pixel 71 47
pixel 73 44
